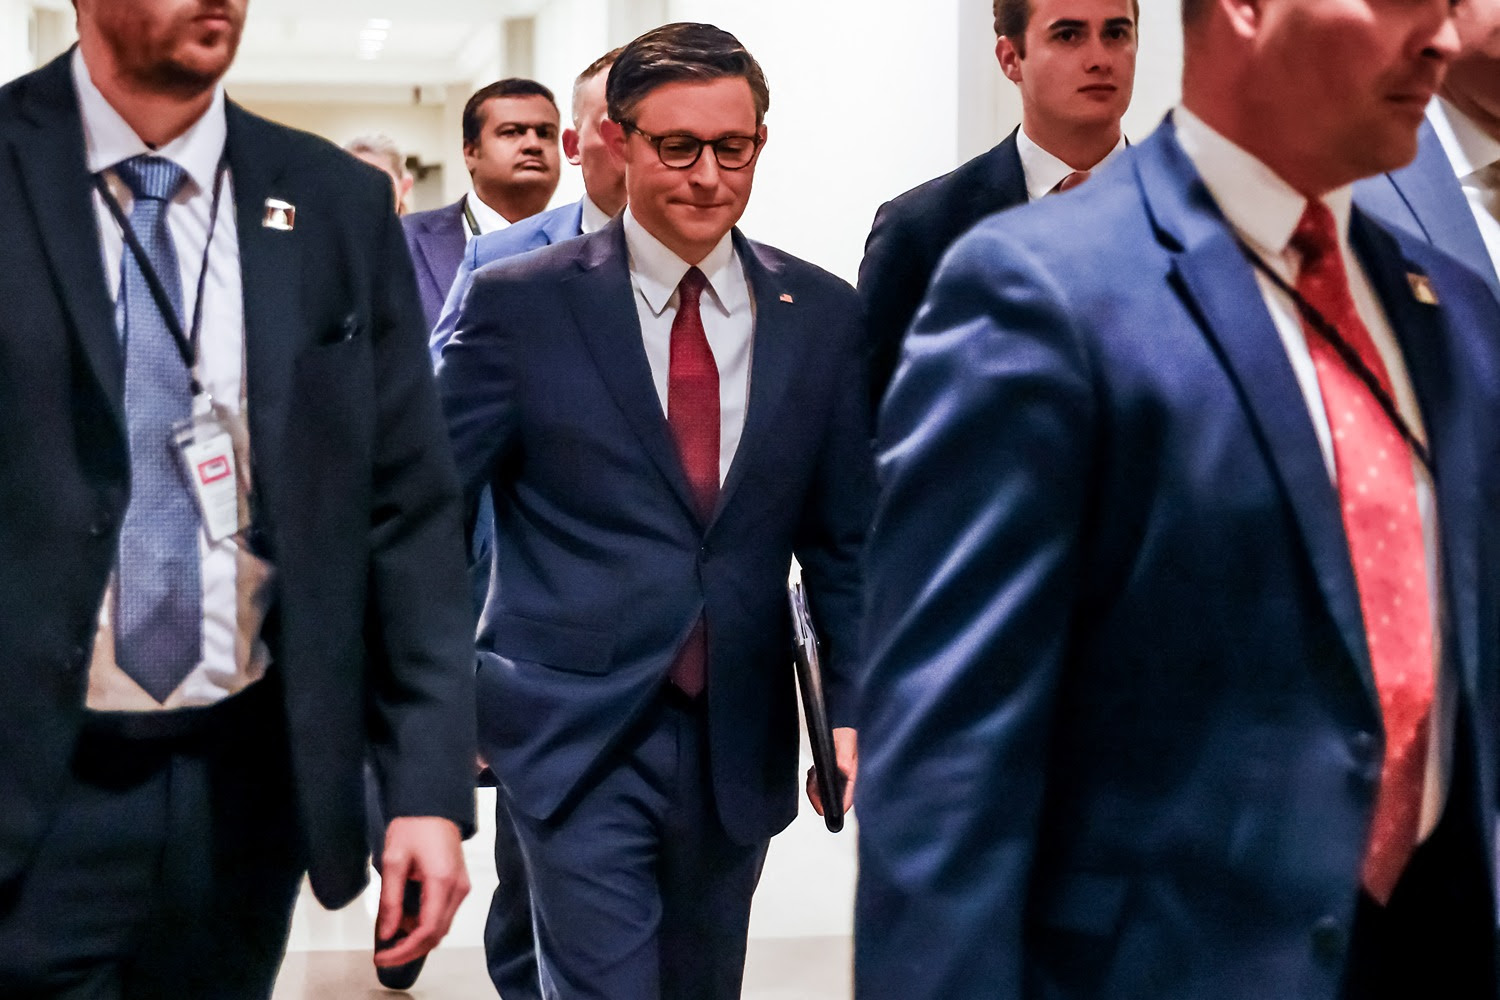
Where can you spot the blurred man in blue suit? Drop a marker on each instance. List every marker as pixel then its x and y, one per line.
pixel 1450 195
pixel 1182 615
pixel 666 413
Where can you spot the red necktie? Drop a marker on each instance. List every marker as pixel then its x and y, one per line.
pixel 693 414
pixel 1378 494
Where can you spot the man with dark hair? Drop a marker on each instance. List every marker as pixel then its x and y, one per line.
pixel 653 477
pixel 510 131
pixel 1074 64
pixel 231 528
pixel 1184 670
pixel 1450 195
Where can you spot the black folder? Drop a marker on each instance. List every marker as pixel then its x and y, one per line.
pixel 819 731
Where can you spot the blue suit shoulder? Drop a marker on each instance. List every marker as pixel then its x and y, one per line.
pixel 529 234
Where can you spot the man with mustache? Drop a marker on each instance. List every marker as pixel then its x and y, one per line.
pixel 1183 579
pixel 666 413
pixel 1073 62
pixel 510 150
pixel 1450 195
pixel 233 564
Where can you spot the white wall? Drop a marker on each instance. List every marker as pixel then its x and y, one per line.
pixel 15 50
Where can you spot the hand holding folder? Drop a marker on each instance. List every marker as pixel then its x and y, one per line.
pixel 827 777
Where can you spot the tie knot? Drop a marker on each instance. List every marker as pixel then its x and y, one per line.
pixel 151 177
pixel 1315 237
pixel 691 286
pixel 1071 181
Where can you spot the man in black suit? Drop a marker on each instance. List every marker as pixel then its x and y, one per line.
pixel 1074 64
pixel 693 417
pixel 191 687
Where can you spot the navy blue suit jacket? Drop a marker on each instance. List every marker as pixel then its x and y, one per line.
pixel 602 564
pixel 1119 735
pixel 436 240
pixel 911 234
pixel 544 229
pixel 1426 198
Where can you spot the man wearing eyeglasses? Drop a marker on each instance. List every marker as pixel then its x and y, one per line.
pixel 667 413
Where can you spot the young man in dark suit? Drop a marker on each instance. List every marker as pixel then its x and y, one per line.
pixel 1073 62
pixel 190 690
pixel 667 413
pixel 1184 580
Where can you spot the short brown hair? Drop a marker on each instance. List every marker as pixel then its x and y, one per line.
pixel 679 52
pixel 593 69
pixel 1013 16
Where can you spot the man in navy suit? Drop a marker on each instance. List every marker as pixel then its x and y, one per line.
pixel 1450 195
pixel 1073 62
pixel 1182 617
pixel 510 131
pixel 653 478
pixel 186 704
pixel 603 198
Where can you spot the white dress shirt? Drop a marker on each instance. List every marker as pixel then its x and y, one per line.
pixel 593 218
pixel 488 220
pixel 1264 210
pixel 1475 155
pixel 236 585
pixel 728 312
pixel 1044 171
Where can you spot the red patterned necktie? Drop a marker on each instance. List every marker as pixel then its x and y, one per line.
pixel 1378 495
pixel 693 414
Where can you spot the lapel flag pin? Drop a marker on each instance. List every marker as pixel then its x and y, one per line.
pixel 1421 289
pixel 786 297
pixel 280 215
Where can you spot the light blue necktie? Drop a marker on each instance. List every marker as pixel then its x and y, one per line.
pixel 159 589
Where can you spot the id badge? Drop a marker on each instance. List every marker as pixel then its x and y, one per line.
pixel 206 444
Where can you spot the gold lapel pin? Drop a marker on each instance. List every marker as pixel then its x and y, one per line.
pixel 280 215
pixel 1421 289
pixel 786 297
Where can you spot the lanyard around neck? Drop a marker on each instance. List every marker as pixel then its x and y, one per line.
pixel 187 342
pixel 1324 328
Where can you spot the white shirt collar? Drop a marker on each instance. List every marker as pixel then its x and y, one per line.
pixel 594 218
pixel 108 140
pixel 489 220
pixel 1263 208
pixel 658 271
pixel 1470 149
pixel 1044 171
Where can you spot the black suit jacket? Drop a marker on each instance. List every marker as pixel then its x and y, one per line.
pixel 910 235
pixel 359 503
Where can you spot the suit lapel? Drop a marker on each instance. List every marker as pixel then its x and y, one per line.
pixel 773 361
pixel 1427 350
pixel 603 304
pixel 1436 200
pixel 1220 288
pixel 442 243
pixel 54 172
pixel 271 272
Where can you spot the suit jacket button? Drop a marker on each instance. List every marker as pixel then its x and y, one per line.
pixel 1328 940
pixel 101 526
pixel 1364 747
pixel 77 662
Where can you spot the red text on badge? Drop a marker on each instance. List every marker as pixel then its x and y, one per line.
pixel 213 470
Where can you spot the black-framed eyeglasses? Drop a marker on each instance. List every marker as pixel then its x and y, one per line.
pixel 680 150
